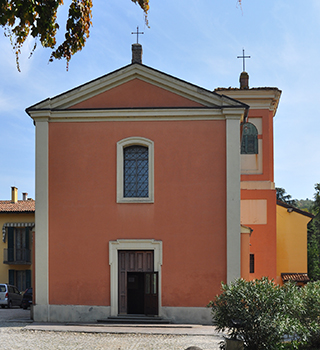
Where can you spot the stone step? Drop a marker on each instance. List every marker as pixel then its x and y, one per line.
pixel 135 319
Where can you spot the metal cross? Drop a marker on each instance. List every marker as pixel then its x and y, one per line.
pixel 244 57
pixel 137 32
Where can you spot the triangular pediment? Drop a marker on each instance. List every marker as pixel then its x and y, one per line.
pixel 136 93
pixel 136 86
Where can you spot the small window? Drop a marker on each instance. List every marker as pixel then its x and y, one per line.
pixel 249 143
pixel 135 170
pixel 251 263
pixel 135 182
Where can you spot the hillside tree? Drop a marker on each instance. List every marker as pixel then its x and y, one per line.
pixel 284 197
pixel 314 238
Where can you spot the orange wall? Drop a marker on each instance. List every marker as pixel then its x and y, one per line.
pixel 267 145
pixel 245 255
pixel 263 239
pixel 188 213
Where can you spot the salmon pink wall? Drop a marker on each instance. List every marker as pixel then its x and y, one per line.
pixel 188 213
pixel 136 93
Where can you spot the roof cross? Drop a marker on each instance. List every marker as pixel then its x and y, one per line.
pixel 244 57
pixel 137 32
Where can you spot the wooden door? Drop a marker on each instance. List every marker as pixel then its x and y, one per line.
pixel 151 293
pixel 131 261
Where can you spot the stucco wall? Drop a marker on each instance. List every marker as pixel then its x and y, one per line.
pixel 188 213
pixel 291 242
pixel 258 199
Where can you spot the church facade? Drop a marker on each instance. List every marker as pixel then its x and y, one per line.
pixel 138 191
pixel 151 191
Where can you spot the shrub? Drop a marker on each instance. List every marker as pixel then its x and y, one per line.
pixel 254 311
pixel 307 312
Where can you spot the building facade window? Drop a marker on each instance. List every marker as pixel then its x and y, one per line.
pixel 135 168
pixel 251 263
pixel 20 278
pixel 249 142
pixel 18 251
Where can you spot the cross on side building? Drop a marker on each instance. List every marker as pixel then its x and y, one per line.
pixel 243 59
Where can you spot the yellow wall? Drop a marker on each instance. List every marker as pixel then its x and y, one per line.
pixel 291 242
pixel 14 217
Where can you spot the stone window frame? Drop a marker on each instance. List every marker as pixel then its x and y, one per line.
pixel 253 135
pixel 135 141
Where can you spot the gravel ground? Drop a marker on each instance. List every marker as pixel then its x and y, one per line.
pixel 19 338
pixel 15 335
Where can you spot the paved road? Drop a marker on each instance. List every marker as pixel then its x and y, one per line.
pixel 16 313
pixel 17 331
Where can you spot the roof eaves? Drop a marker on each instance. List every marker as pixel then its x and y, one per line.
pixel 299 211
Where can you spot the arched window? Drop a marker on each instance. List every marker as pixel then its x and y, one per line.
pixel 135 183
pixel 135 171
pixel 249 142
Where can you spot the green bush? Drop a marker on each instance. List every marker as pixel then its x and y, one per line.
pixel 255 311
pixel 307 312
pixel 261 313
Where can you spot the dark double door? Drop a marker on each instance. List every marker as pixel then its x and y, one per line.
pixel 138 283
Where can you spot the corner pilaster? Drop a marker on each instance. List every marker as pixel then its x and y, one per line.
pixel 41 221
pixel 233 197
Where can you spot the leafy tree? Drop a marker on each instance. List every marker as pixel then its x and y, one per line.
pixel 305 204
pixel 305 310
pixel 313 256
pixel 316 209
pixel 38 19
pixel 284 197
pixel 314 238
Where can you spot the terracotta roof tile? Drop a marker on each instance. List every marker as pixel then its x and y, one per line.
pixel 295 277
pixel 18 207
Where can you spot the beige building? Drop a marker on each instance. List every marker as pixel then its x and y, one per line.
pixel 17 223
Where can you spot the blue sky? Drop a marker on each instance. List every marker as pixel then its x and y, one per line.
pixel 194 40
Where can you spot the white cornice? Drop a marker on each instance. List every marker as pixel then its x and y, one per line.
pixel 265 98
pixel 72 115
